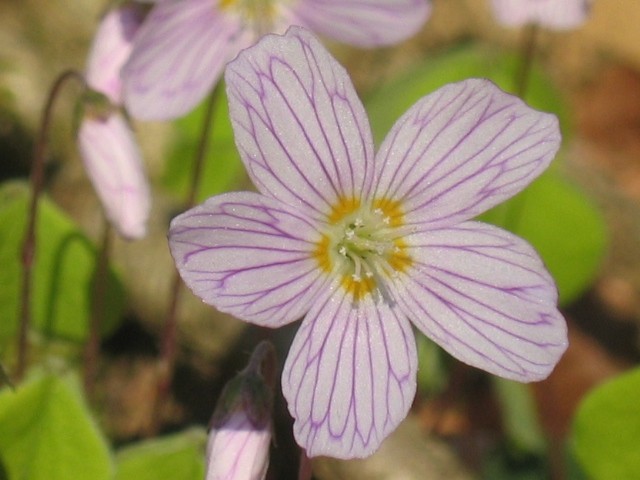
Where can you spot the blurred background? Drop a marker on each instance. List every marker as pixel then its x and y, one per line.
pixel 583 216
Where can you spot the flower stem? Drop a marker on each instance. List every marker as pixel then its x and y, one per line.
pixel 98 307
pixel 169 333
pixel 305 470
pixel 529 42
pixel 29 242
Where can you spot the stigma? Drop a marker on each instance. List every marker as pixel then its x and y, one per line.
pixel 363 246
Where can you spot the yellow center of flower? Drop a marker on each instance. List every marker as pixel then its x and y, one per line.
pixel 364 246
pixel 259 14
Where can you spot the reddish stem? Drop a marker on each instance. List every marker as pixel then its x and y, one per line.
pixel 29 242
pixel 168 344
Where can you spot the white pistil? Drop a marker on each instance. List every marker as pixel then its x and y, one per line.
pixel 365 244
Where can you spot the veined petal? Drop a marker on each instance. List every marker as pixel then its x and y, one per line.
pixel 238 450
pixel 350 376
pixel 250 256
pixel 364 23
pixel 484 295
pixel 461 150
pixel 559 15
pixel 114 165
pixel 110 50
pixel 299 126
pixel 178 55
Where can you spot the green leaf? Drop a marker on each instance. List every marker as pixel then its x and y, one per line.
pixel 65 262
pixel 388 103
pixel 175 457
pixel 606 430
pixel 560 222
pixel 47 433
pixel 222 168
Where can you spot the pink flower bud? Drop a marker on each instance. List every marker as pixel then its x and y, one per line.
pixel 240 435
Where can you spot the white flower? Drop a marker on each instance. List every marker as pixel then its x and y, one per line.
pixel 360 245
pixel 184 45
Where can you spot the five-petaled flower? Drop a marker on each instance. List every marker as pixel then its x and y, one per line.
pixel 184 45
pixel 107 145
pixel 360 244
pixel 553 14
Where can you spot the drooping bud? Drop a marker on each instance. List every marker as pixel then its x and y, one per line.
pixel 110 153
pixel 240 432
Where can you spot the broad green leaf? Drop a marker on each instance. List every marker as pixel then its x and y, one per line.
pixel 175 457
pixel 606 430
pixel 65 263
pixel 47 433
pixel 222 167
pixel 561 223
pixel 388 103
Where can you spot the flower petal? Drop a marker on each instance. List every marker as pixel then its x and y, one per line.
pixel 110 50
pixel 484 295
pixel 563 15
pixel 248 255
pixel 300 128
pixel 114 165
pixel 350 376
pixel 364 23
pixel 238 450
pixel 178 55
pixel 461 150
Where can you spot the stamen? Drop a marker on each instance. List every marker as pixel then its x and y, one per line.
pixel 365 247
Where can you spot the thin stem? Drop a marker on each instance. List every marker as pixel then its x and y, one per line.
pixel 98 307
pixel 305 469
pixel 529 43
pixel 29 242
pixel 169 333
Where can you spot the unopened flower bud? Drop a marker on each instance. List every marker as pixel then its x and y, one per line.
pixel 240 433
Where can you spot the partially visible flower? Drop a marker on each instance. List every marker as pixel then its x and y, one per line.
pixel 553 14
pixel 240 434
pixel 183 46
pixel 107 145
pixel 360 244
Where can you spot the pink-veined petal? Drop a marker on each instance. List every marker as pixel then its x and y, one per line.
pixel 364 23
pixel 299 126
pixel 113 163
pixel 461 150
pixel 250 256
pixel 485 296
pixel 178 54
pixel 350 376
pixel 558 15
pixel 110 50
pixel 238 450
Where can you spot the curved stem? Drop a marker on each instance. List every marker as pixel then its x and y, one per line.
pixel 29 242
pixel 169 333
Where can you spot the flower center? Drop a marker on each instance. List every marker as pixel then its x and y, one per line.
pixel 363 245
pixel 258 14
